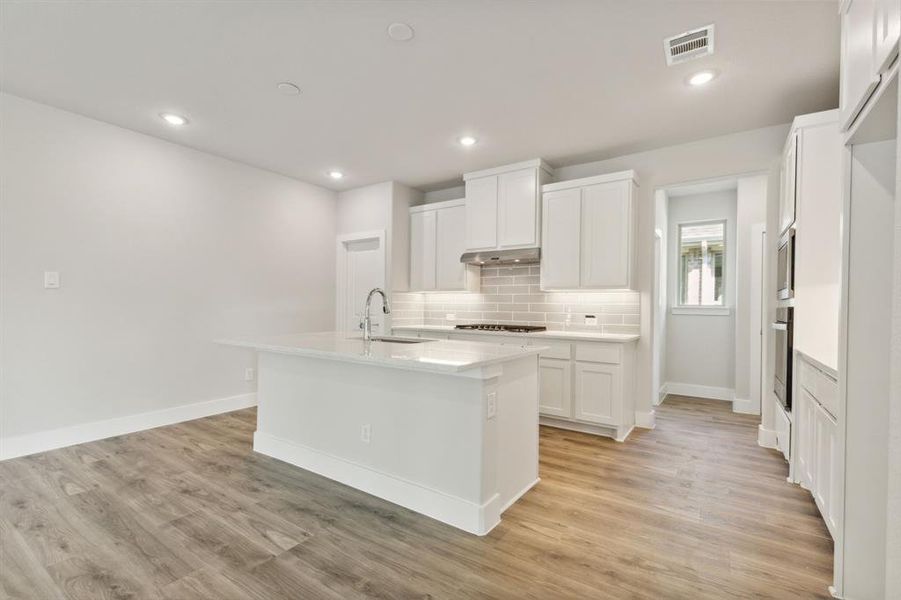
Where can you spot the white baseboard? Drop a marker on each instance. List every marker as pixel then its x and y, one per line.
pixel 661 394
pixel 603 430
pixel 32 443
pixel 766 437
pixel 745 407
pixel 700 391
pixel 453 510
pixel 646 419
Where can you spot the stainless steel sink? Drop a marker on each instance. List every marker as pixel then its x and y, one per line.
pixel 397 340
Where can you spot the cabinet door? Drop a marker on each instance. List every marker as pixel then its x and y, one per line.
pixel 606 235
pixel 805 425
pixel 561 239
pixel 422 251
pixel 825 470
pixel 888 30
pixel 859 75
pixel 789 195
pixel 517 196
pixel 599 393
pixel 555 392
pixel 481 213
pixel 451 244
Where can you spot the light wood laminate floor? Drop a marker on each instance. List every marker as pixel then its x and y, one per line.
pixel 693 509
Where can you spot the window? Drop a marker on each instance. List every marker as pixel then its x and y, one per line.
pixel 702 261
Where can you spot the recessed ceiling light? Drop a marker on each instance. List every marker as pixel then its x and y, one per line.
pixel 400 32
pixel 335 174
pixel 288 89
pixel 467 140
pixel 702 78
pixel 173 119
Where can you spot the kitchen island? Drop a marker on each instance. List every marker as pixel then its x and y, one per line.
pixel 445 428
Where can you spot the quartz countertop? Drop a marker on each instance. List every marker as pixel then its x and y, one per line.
pixel 439 356
pixel 587 336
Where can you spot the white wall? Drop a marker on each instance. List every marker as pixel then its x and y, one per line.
pixel 734 154
pixel 700 349
pixel 161 250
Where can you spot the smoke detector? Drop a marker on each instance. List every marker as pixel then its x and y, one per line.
pixel 688 45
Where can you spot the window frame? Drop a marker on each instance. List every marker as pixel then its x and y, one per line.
pixel 709 309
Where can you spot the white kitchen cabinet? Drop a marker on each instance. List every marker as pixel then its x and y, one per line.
pixel 869 44
pixel 826 475
pixel 607 235
pixel 423 247
pixel 805 407
pixel 481 213
pixel 436 244
pixel 887 32
pixel 816 193
pixel 818 462
pixel 451 274
pixel 517 209
pixel 555 393
pixel 561 250
pixel 503 207
pixel 586 386
pixel 789 192
pixel 589 231
pixel 598 391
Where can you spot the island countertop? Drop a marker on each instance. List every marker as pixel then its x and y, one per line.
pixel 437 356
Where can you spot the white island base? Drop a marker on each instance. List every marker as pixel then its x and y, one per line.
pixel 457 444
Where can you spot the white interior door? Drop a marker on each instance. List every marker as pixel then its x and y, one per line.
pixel 361 267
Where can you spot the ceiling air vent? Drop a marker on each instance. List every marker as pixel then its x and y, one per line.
pixel 688 45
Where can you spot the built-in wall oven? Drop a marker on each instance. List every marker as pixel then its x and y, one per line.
pixel 783 330
pixel 785 267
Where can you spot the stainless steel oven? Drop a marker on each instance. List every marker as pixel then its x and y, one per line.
pixel 785 267
pixel 783 330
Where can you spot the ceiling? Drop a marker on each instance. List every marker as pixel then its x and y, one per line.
pixel 565 80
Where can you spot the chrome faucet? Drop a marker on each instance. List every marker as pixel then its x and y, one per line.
pixel 366 323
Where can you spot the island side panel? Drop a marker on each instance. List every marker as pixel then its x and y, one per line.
pixel 427 430
pixel 517 430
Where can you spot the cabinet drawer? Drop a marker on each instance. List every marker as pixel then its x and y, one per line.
pixel 820 386
pixel 559 350
pixel 599 353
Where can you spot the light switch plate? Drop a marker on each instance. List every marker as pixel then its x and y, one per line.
pixel 51 280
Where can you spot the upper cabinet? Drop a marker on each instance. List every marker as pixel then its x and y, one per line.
pixel 870 30
pixel 789 190
pixel 436 244
pixel 589 233
pixel 503 207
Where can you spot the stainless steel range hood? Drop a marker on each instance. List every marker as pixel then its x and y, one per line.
pixel 502 257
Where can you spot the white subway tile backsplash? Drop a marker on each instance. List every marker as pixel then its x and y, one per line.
pixel 513 295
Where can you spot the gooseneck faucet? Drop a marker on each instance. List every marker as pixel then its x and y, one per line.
pixel 366 323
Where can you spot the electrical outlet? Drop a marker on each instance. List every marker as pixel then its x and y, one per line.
pixel 249 374
pixel 366 433
pixel 51 280
pixel 492 405
pixel 591 320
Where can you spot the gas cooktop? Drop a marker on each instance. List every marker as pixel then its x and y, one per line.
pixel 508 328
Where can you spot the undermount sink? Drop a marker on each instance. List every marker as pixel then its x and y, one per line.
pixel 397 340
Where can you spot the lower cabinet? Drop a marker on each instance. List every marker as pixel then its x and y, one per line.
pixel 555 396
pixel 826 476
pixel 598 393
pixel 585 386
pixel 817 462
